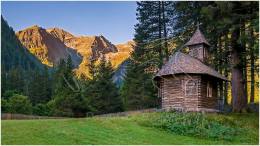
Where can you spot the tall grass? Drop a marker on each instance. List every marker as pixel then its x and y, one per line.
pixel 195 124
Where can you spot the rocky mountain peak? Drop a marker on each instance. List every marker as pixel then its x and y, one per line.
pixel 32 37
pixel 60 33
pixel 34 27
pixel 51 45
pixel 45 46
pixel 101 45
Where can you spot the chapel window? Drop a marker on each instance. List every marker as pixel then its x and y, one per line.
pixel 191 87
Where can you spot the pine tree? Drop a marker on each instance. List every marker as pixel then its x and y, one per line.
pixel 69 97
pixel 138 90
pixel 104 91
pixel 40 87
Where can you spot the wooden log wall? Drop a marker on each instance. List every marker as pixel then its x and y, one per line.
pixel 208 102
pixel 172 92
pixel 172 95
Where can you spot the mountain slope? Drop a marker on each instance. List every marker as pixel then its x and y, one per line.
pixel 13 54
pixel 51 45
pixel 17 63
pixel 120 73
pixel 124 51
pixel 45 46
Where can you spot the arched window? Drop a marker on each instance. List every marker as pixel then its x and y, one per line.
pixel 191 87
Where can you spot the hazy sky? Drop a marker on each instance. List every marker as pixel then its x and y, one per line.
pixel 114 20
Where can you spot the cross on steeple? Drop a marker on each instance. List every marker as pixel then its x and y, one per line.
pixel 198 25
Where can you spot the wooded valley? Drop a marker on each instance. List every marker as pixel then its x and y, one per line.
pixel 232 29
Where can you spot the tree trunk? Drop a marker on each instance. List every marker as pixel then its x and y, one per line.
pixel 238 91
pixel 226 68
pixel 220 65
pixel 244 60
pixel 252 62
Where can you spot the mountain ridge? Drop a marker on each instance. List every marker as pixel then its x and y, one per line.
pixel 52 44
pixel 44 45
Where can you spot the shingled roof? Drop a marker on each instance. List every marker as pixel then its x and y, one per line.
pixel 182 63
pixel 197 38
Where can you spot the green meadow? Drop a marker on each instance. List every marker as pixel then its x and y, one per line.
pixel 132 129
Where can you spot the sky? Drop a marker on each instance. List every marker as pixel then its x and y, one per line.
pixel 114 20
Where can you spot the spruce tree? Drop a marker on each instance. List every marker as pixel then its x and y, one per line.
pixel 138 90
pixel 40 87
pixel 67 97
pixel 103 90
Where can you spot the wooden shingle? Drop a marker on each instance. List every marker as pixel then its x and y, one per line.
pixel 197 38
pixel 181 63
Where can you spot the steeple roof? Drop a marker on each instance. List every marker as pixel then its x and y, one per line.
pixel 180 63
pixel 197 38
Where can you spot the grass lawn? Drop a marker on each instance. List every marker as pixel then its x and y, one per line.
pixel 115 130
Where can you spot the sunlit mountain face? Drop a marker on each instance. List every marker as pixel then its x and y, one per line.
pixel 53 44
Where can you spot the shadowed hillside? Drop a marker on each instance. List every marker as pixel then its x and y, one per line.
pixel 13 53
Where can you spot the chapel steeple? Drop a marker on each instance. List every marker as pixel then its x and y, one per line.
pixel 198 46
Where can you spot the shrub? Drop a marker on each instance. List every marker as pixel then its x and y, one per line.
pixel 5 107
pixel 41 110
pixel 20 104
pixel 51 106
pixel 9 93
pixel 194 124
pixel 62 106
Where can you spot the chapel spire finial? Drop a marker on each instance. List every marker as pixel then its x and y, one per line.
pixel 198 25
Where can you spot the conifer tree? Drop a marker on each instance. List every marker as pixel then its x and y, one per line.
pixel 103 90
pixel 40 87
pixel 68 99
pixel 138 90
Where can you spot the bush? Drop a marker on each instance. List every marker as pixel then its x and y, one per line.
pixel 5 107
pixel 51 106
pixel 9 93
pixel 41 110
pixel 20 104
pixel 194 124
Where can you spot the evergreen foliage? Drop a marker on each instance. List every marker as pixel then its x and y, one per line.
pixel 151 49
pixel 102 89
pixel 15 60
pixel 40 87
pixel 18 66
pixel 19 104
pixel 76 97
pixel 67 99
pixel 41 110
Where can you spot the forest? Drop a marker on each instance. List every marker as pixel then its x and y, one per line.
pixel 232 29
